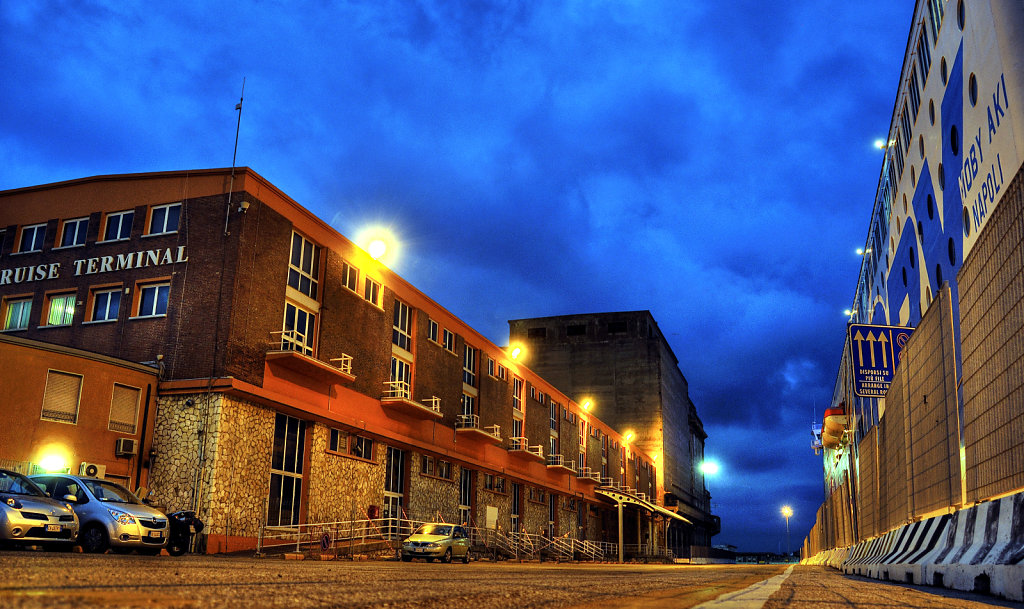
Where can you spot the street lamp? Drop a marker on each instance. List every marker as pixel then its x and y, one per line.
pixel 786 513
pixel 708 468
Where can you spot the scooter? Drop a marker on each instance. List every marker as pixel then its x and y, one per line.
pixel 183 525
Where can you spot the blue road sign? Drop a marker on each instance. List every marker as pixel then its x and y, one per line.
pixel 876 351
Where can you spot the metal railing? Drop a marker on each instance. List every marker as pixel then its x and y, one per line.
pixel 291 340
pixel 343 363
pixel 397 390
pixel 472 421
pixel 558 461
pixel 521 443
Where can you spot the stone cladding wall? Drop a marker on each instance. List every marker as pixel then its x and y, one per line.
pixel 342 487
pixel 431 498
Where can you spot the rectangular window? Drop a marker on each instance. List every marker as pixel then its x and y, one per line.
pixel 60 309
pixel 401 378
pixel 432 330
pixel 444 470
pixel 164 219
pixel 469 366
pixel 914 91
pixel 427 466
pixel 124 409
pixel 16 313
pixel 372 292
pixel 61 397
pixel 285 501
pixel 517 393
pixel 350 277
pixel 105 305
pixel 299 329
pixel 153 299
pixel 502 373
pixel 337 442
pixel 401 331
pixel 936 9
pixel 119 226
pixel 533 392
pixel 74 232
pixel 362 447
pixel 924 54
pixel 304 266
pixel 449 341
pixel 490 367
pixel 32 238
pixel 553 415
pixel 468 404
pixel 517 428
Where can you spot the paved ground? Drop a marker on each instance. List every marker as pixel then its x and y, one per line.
pixel 44 580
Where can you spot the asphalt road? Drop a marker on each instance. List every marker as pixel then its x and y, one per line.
pixel 38 579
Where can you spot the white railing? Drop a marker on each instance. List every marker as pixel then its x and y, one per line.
pixel 343 363
pixel 291 340
pixel 472 421
pixel 397 390
pixel 558 461
pixel 433 403
pixel 587 473
pixel 521 443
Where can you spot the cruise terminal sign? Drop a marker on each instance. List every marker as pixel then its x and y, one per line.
pixel 875 352
pixel 91 266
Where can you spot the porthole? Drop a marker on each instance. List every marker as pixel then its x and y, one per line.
pixel 952 251
pixel 931 111
pixel 931 207
pixel 961 15
pixel 912 263
pixel 967 222
pixel 920 144
pixel 954 140
pixel 904 202
pixel 913 177
pixel 920 230
pixel 942 177
pixel 938 275
pixel 904 276
pixel 943 71
pixel 928 295
pixel 972 89
pixel 897 228
pixel 892 242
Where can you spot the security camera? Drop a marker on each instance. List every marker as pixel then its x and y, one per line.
pixel 242 206
pixel 190 402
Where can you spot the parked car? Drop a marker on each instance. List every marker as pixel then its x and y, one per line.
pixel 27 515
pixel 111 516
pixel 437 540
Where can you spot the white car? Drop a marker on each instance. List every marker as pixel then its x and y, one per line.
pixel 437 540
pixel 27 515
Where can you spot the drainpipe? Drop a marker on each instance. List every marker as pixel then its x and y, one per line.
pixel 621 550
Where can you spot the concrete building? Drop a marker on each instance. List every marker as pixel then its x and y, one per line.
pixel 622 365
pixel 299 380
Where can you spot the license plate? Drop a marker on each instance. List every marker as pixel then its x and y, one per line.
pixel 53 528
pixel 156 534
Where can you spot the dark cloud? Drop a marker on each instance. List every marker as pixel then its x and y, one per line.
pixel 713 166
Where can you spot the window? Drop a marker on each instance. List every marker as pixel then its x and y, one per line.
pixel 533 392
pixel 449 341
pixel 432 330
pixel 337 442
pixel 304 266
pixel 60 309
pixel 494 483
pixel 924 54
pixel 124 409
pixel 444 470
pixel 936 10
pixel 537 333
pixel 468 404
pixel 105 304
pixel 350 276
pixel 517 393
pixel 362 448
pixel 428 466
pixel 502 373
pixel 32 238
pixel 553 415
pixel 517 429
pixel 119 226
pixel 74 232
pixel 61 397
pixel 576 330
pixel 299 329
pixel 285 501
pixel 401 334
pixel 401 378
pixel 164 219
pixel 469 366
pixel 153 299
pixel 16 314
pixel 914 91
pixel 490 367
pixel 372 292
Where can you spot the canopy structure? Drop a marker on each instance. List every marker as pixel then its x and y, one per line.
pixel 621 498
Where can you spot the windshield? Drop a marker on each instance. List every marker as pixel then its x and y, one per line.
pixel 14 483
pixel 110 492
pixel 435 529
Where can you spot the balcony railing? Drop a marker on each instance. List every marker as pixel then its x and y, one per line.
pixel 585 473
pixel 397 396
pixel 289 349
pixel 343 363
pixel 520 444
pixel 397 390
pixel 560 462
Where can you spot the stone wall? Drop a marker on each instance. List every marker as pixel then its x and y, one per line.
pixel 341 487
pixel 431 498
pixel 500 500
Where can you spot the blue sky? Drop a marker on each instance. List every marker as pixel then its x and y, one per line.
pixel 709 161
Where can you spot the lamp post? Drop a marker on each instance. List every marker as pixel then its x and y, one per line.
pixel 786 513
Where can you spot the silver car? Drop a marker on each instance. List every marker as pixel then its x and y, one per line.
pixel 27 515
pixel 111 516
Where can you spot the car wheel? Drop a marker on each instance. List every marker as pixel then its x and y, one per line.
pixel 94 540
pixel 465 558
pixel 447 558
pixel 406 558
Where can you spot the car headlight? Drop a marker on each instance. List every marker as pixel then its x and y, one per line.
pixel 122 517
pixel 433 546
pixel 14 503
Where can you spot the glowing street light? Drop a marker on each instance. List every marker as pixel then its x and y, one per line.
pixel 709 468
pixel 586 405
pixel 377 248
pixel 786 512
pixel 516 352
pixel 628 437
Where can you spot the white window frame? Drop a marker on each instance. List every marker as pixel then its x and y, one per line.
pixel 303 335
pixel 164 286
pixel 106 313
pixel 164 230
pixel 469 358
pixel 449 340
pixel 432 330
pixel 36 241
pixel 401 327
pixel 67 302
pixel 24 313
pixel 119 216
pixel 79 227
pixel 517 393
pixel 372 292
pixel 304 272
pixel 350 277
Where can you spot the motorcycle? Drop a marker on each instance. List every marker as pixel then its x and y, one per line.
pixel 183 525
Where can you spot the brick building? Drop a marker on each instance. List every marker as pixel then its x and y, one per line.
pixel 300 380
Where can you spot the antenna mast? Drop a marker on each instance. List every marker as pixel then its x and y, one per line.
pixel 234 155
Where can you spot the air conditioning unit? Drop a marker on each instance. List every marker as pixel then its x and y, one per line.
pixel 93 470
pixel 125 447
